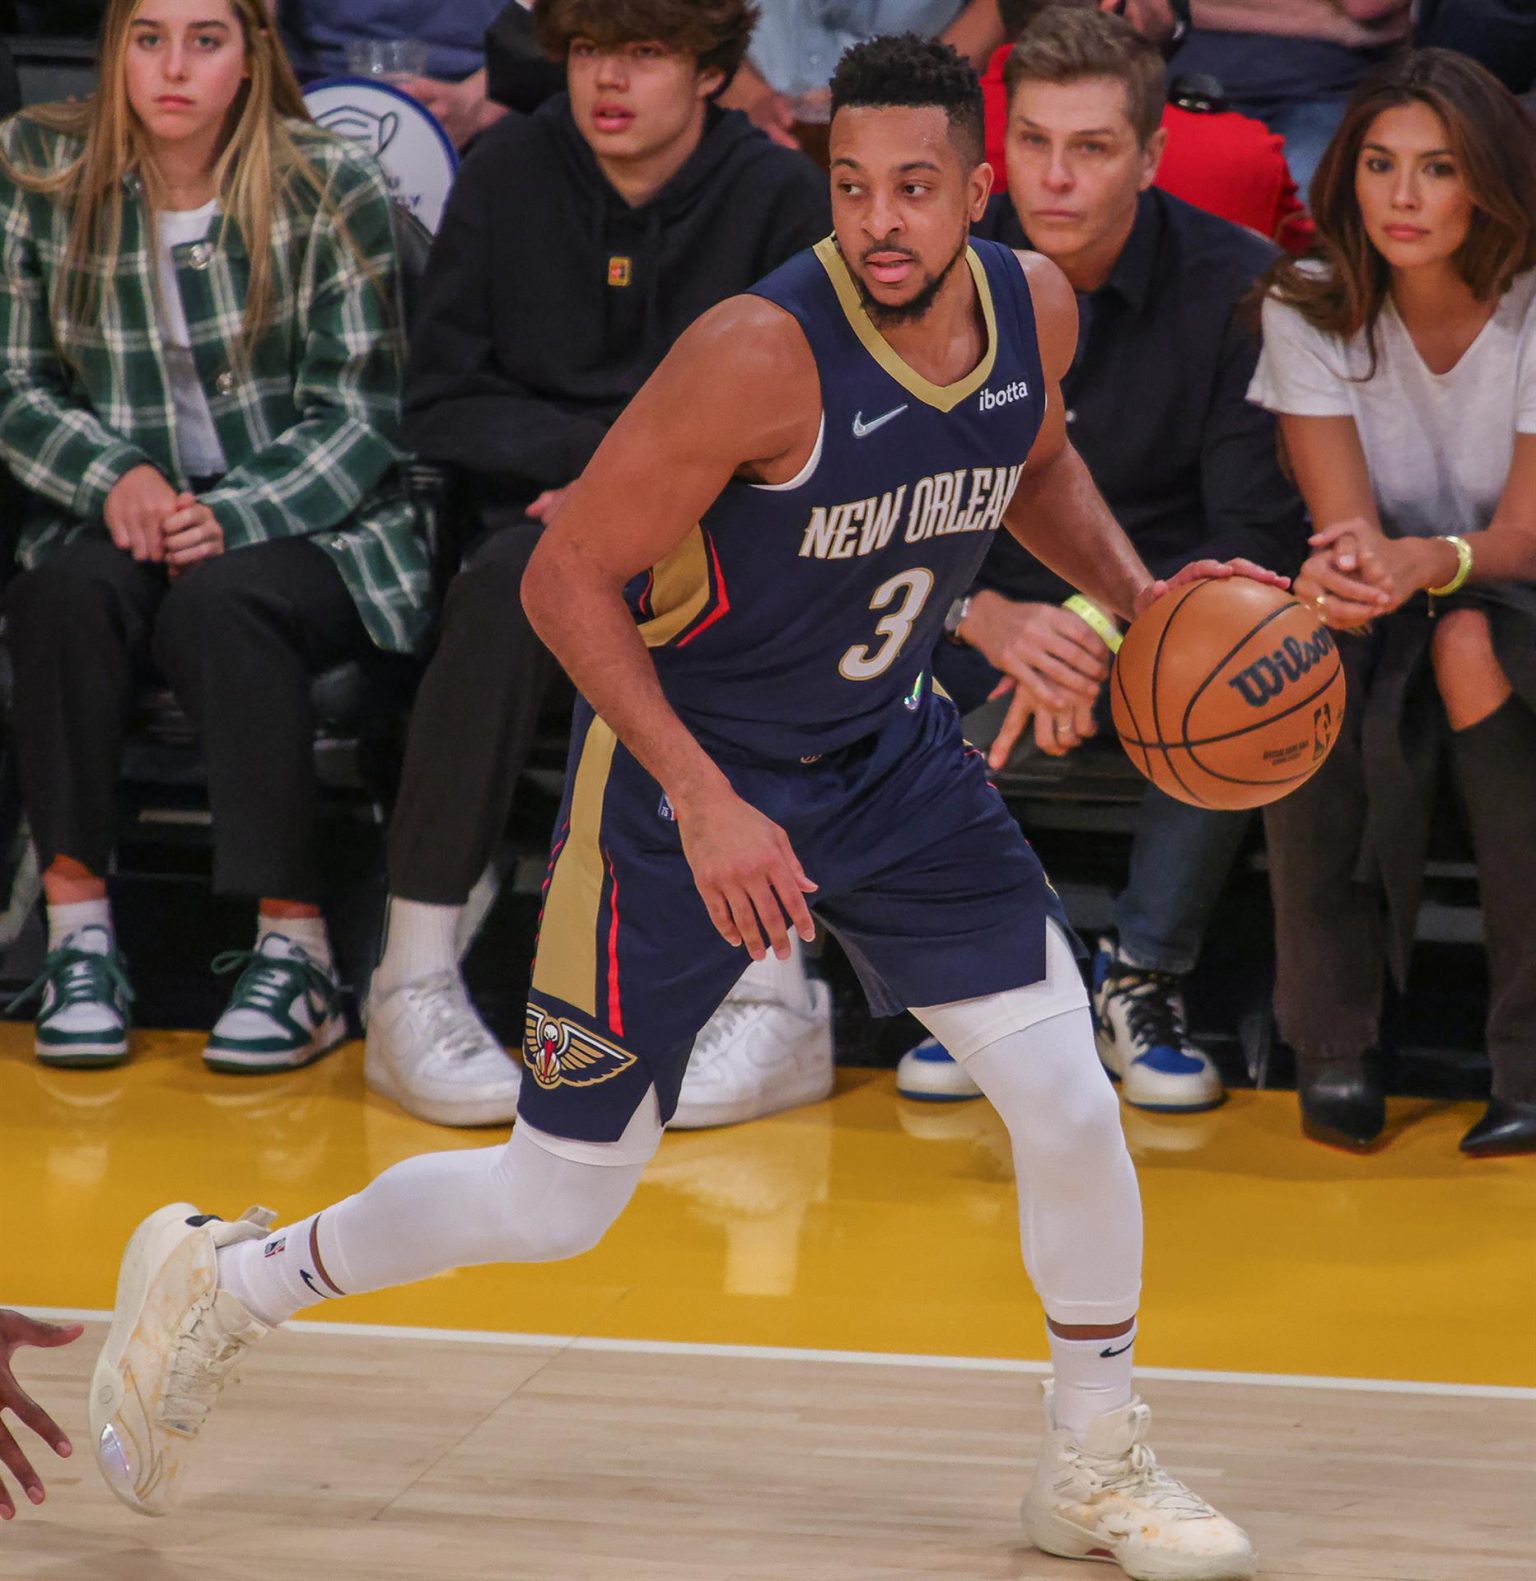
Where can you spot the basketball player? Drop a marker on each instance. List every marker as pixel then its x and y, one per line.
pixel 745 585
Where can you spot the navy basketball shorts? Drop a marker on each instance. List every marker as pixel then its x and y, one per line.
pixel 923 877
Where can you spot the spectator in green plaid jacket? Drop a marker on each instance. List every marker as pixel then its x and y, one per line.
pixel 199 380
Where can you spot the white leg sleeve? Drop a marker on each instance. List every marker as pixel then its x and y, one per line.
pixel 1031 1052
pixel 537 1199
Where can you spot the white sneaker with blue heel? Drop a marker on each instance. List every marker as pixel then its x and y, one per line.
pixel 1143 1039
pixel 931 1074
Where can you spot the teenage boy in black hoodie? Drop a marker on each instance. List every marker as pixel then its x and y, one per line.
pixel 578 244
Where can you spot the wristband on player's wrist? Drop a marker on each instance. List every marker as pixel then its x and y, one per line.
pixel 1091 615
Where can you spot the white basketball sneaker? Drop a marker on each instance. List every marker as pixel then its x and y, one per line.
pixel 1104 1496
pixel 429 1051
pixel 757 1056
pixel 175 1341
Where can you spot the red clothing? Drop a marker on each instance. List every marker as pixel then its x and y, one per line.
pixel 1222 162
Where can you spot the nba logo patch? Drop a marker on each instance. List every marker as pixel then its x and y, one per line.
pixel 619 271
pixel 272 1248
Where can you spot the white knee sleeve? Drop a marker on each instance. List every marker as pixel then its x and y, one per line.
pixel 968 1025
pixel 537 1199
pixel 1031 1052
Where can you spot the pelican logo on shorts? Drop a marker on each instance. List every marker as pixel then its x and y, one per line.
pixel 1017 391
pixel 559 1053
pixel 1268 677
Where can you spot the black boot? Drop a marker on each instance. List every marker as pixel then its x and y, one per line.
pixel 1342 1099
pixel 1496 764
pixel 1504 1129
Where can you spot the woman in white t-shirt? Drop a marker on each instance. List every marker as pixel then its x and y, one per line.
pixel 1403 370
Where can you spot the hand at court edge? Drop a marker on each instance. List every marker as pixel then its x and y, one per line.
pixel 15 1331
pixel 748 875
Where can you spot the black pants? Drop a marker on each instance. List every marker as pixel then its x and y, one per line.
pixel 473 723
pixel 1331 926
pixel 237 639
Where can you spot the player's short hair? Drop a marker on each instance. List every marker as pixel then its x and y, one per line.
pixel 1068 43
pixel 714 32
pixel 906 71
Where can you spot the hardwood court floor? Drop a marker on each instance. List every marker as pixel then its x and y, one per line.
pixel 391 1460
pixel 864 1224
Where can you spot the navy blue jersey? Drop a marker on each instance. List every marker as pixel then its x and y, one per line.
pixel 798 615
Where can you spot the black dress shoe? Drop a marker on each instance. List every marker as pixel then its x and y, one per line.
pixel 1342 1101
pixel 1504 1128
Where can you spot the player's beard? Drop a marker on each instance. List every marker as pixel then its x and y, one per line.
pixel 885 316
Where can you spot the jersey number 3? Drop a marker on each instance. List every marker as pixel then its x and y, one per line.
pixel 863 662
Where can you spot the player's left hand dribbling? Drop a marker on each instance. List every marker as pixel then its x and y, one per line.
pixel 747 874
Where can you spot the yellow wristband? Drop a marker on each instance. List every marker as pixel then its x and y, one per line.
pixel 1086 610
pixel 1463 566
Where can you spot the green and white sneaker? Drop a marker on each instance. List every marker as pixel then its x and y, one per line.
pixel 83 1020
pixel 285 1011
pixel 175 1341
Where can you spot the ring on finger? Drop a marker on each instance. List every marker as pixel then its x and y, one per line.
pixel 1320 600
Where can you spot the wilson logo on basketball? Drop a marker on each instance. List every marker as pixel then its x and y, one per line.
pixel 561 1054
pixel 1268 677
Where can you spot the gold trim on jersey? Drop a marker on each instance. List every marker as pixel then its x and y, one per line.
pixel 566 967
pixel 946 397
pixel 679 591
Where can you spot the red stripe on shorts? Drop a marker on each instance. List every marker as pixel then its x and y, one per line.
pixel 615 1007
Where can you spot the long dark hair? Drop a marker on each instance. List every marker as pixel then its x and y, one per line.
pixel 1494 140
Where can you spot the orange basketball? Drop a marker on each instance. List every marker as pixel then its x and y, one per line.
pixel 1228 693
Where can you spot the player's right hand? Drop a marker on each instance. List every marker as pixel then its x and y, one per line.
pixel 747 873
pixel 139 502
pixel 1052 654
pixel 16 1330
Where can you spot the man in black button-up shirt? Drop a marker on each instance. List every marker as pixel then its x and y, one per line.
pixel 1156 408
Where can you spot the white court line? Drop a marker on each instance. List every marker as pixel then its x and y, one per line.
pixel 856 1358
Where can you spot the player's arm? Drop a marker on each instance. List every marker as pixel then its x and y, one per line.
pixel 733 396
pixel 1057 512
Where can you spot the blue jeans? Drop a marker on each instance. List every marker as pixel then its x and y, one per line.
pixel 1181 856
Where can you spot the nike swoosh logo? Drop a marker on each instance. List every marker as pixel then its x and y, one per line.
pixel 861 428
pixel 1103 1353
pixel 304 1275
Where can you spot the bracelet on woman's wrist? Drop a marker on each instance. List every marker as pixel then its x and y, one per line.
pixel 1463 566
pixel 1091 615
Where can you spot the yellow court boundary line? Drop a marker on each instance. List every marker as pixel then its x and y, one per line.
pixel 859 1358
